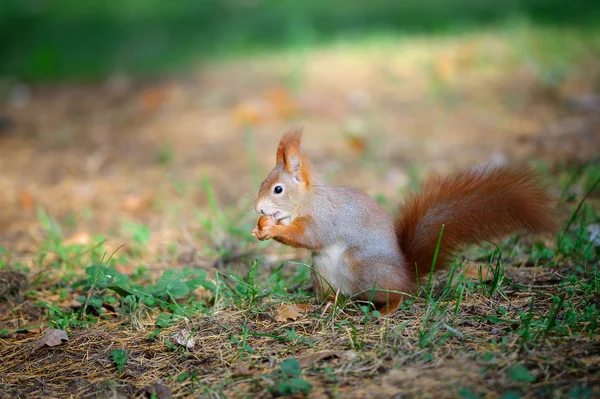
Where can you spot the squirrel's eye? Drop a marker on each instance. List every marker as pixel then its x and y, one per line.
pixel 278 189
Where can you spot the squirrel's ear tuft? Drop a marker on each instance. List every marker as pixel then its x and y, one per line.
pixel 288 153
pixel 289 147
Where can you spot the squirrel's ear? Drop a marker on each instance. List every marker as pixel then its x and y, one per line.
pixel 297 168
pixel 288 153
pixel 289 147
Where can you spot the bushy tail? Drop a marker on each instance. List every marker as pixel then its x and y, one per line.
pixel 483 204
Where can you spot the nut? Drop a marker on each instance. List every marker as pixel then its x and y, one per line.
pixel 265 221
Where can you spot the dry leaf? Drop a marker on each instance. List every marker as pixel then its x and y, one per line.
pixel 153 98
pixel 52 337
pixel 311 358
pixel 202 293
pixel 133 203
pixel 282 103
pixel 158 390
pixel 287 311
pixel 241 370
pixel 26 201
pixel 250 113
pixel 357 144
pixel 184 337
pixel 304 307
pixel 79 238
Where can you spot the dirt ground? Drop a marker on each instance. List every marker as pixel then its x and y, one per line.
pixel 374 116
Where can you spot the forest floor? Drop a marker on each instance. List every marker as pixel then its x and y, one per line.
pixel 127 211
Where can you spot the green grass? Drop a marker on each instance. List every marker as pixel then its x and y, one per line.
pixel 526 334
pixel 68 39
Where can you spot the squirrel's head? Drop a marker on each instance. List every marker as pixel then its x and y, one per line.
pixel 282 192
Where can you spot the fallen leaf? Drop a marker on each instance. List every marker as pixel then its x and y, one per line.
pixel 26 201
pixel 158 391
pixel 241 370
pixel 52 337
pixel 153 98
pixel 311 358
pixel 133 203
pixel 184 337
pixel 202 293
pixel 79 239
pixel 357 144
pixel 250 113
pixel 287 311
pixel 303 307
pixel 282 102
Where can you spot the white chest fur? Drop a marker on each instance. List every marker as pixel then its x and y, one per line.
pixel 331 265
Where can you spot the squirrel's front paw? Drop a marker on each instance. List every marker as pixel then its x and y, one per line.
pixel 266 233
pixel 255 232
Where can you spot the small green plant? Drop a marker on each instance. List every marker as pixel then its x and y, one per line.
pixel 165 154
pixel 139 232
pixel 511 395
pixel 119 357
pixel 175 284
pixel 519 373
pixel 465 393
pixel 242 343
pixel 165 320
pixel 290 382
pixel 295 338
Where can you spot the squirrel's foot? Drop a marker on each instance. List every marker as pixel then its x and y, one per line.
pixel 391 306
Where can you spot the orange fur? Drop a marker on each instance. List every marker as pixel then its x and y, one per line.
pixel 288 152
pixel 295 235
pixel 288 145
pixel 474 206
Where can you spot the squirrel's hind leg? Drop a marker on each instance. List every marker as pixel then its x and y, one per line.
pixel 391 305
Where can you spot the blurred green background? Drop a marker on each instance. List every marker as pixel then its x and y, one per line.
pixel 44 40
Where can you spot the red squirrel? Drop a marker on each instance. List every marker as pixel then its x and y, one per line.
pixel 362 252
